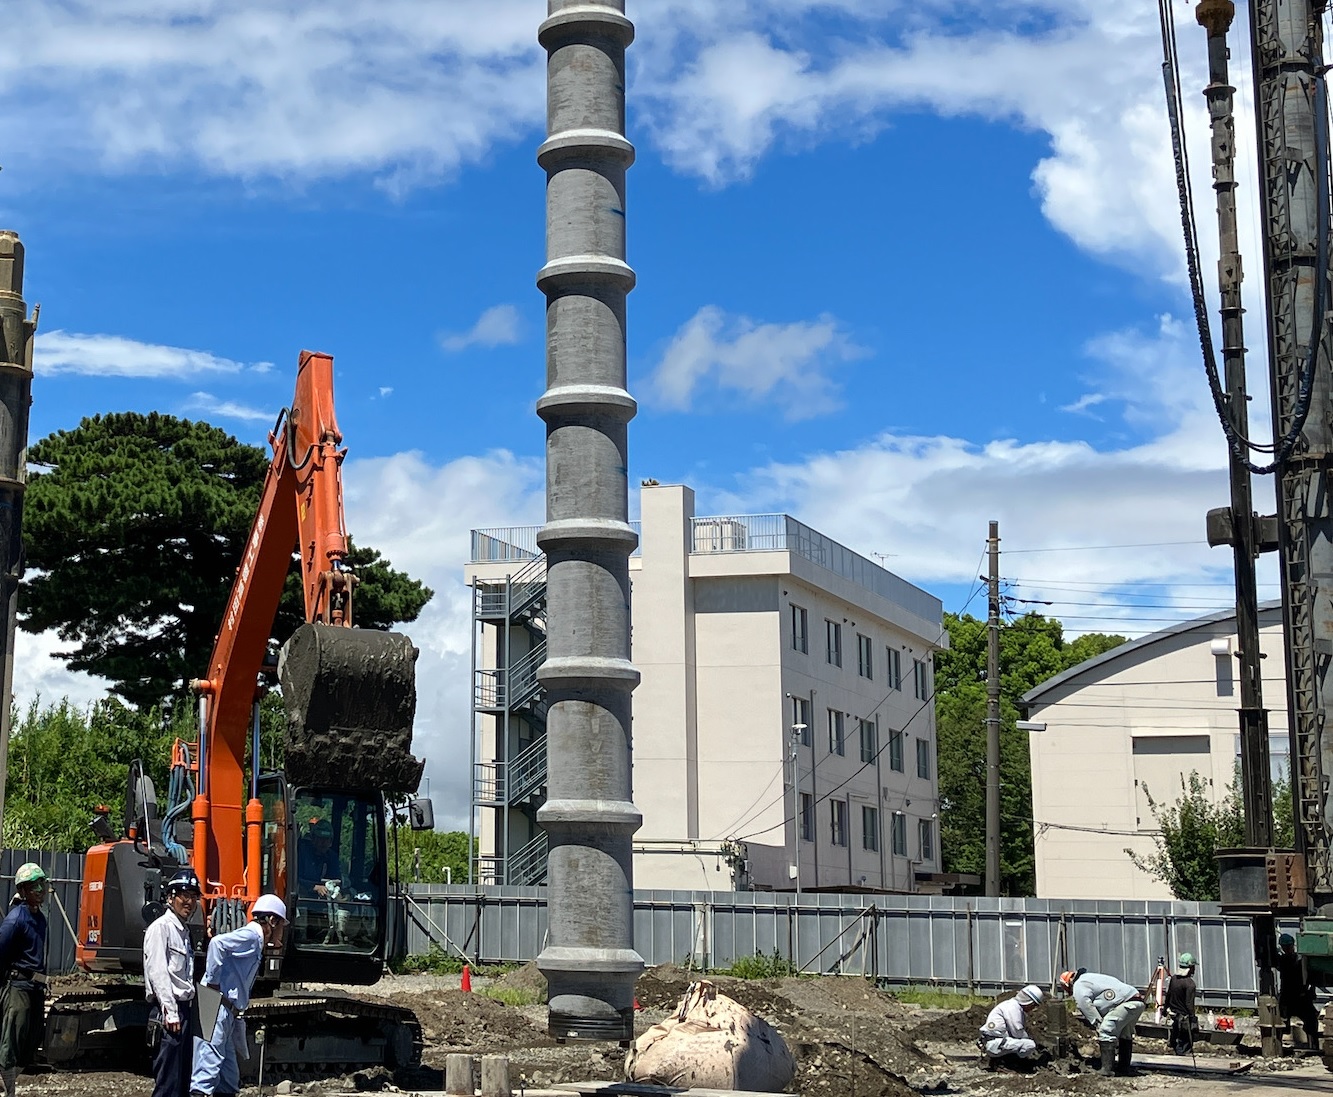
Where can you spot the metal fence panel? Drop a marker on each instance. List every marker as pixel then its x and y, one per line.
pixel 954 943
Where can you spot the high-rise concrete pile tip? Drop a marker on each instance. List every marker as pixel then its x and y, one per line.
pixel 350 696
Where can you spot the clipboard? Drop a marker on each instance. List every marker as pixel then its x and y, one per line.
pixel 207 1004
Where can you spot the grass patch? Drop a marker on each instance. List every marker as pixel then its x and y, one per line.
pixel 936 998
pixel 439 962
pixel 514 996
pixel 760 966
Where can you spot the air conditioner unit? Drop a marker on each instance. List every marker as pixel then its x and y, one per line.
pixel 720 535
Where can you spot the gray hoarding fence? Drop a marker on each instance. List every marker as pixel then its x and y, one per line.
pixel 977 944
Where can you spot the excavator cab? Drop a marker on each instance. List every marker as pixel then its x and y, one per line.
pixel 324 851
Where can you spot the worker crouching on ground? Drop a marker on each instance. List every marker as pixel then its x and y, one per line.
pixel 23 964
pixel 1180 993
pixel 233 963
pixel 1111 1009
pixel 1004 1037
pixel 168 975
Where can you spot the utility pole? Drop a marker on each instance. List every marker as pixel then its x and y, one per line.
pixel 993 716
pixel 796 730
pixel 16 333
pixel 1238 525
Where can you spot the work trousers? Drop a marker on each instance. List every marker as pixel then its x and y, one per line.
pixel 174 1052
pixel 22 1014
pixel 1181 1039
pixel 1119 1021
pixel 216 1069
pixel 1000 1046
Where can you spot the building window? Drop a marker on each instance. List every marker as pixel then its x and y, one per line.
pixel 923 758
pixel 807 817
pixel 868 744
pixel 899 834
pixel 920 680
pixel 896 751
pixel 864 660
pixel 893 668
pixel 869 828
pixel 833 633
pixel 837 734
pixel 800 629
pixel 839 819
pixel 800 714
pixel 926 834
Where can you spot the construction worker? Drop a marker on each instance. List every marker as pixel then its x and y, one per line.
pixel 23 964
pixel 233 963
pixel 168 975
pixel 1004 1037
pixel 1111 1009
pixel 1295 996
pixel 1180 992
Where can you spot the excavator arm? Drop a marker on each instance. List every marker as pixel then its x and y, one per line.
pixel 300 509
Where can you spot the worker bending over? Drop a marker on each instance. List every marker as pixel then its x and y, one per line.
pixel 23 968
pixel 1111 1009
pixel 1004 1036
pixel 233 963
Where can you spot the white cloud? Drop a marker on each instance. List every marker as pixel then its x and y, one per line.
pixel 1084 404
pixel 116 356
pixel 925 502
pixel 213 407
pixel 788 365
pixel 39 675
pixel 386 390
pixel 383 497
pixel 498 326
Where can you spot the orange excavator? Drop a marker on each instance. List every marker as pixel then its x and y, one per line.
pixel 313 833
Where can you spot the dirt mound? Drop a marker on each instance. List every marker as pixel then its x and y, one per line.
pixel 529 977
pixel 454 1021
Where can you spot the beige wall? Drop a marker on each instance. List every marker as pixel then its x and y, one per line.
pixel 1130 725
pixel 711 638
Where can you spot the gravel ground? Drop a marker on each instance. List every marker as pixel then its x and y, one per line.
pixel 848 1038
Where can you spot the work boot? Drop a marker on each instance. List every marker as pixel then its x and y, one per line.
pixel 9 1080
pixel 1124 1053
pixel 1106 1065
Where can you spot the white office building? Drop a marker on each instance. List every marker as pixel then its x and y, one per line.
pixel 784 729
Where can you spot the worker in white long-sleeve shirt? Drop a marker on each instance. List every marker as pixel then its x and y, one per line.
pixel 168 975
pixel 1004 1036
pixel 233 963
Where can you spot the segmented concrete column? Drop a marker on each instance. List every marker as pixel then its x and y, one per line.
pixel 590 963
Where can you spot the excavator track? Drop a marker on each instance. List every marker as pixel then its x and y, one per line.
pixel 307 1035
pixel 330 1033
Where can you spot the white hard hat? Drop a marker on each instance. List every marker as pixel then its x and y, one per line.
pixel 1030 995
pixel 269 904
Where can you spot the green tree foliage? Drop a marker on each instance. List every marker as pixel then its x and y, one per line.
pixel 439 850
pixel 1032 650
pixel 134 526
pixel 1192 829
pixel 64 763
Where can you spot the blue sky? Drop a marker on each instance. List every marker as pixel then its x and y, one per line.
pixel 903 268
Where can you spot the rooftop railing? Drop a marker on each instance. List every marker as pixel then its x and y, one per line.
pixel 502 544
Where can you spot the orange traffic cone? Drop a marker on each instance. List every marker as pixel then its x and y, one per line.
pixel 467 978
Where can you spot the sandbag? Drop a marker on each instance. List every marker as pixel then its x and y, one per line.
pixel 712 1042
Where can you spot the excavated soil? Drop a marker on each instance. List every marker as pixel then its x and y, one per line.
pixel 847 1036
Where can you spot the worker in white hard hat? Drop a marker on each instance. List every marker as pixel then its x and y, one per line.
pixel 233 964
pixel 1004 1037
pixel 23 971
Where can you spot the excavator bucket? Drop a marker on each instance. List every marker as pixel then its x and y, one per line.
pixel 350 696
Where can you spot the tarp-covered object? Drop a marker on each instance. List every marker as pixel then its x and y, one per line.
pixel 350 696
pixel 712 1042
